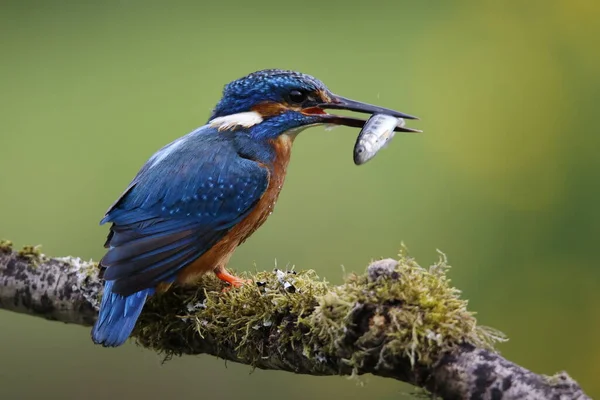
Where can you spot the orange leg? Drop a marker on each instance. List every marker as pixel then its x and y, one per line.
pixel 225 276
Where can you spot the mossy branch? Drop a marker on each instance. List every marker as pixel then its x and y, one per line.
pixel 397 320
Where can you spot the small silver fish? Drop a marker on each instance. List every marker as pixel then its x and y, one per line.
pixel 375 135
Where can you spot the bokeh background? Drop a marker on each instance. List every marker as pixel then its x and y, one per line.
pixel 505 179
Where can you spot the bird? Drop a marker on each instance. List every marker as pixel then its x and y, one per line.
pixel 199 197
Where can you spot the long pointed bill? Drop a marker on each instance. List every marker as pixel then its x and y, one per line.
pixel 342 103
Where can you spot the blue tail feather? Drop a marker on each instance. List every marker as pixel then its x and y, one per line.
pixel 117 316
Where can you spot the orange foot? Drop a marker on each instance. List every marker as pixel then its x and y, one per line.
pixel 232 280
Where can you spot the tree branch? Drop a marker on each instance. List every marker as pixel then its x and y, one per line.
pixel 398 320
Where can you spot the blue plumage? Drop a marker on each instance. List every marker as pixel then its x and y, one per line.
pixel 272 85
pixel 118 315
pixel 182 201
pixel 287 121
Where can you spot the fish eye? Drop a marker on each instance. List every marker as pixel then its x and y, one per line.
pixel 296 96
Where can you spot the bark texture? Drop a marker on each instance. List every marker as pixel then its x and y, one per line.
pixel 296 337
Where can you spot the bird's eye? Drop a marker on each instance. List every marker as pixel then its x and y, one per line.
pixel 297 96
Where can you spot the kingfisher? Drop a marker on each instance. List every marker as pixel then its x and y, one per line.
pixel 198 198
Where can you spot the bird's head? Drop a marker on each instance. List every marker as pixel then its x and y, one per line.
pixel 272 102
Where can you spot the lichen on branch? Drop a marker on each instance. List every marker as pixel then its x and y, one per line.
pixel 397 320
pixel 398 310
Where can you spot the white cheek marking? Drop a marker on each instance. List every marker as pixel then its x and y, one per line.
pixel 165 151
pixel 245 119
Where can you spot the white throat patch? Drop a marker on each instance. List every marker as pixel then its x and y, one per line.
pixel 243 119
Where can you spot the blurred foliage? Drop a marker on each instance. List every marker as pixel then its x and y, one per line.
pixel 505 179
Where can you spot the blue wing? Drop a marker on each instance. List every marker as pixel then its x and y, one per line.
pixel 183 201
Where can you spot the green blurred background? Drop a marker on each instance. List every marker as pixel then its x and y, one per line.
pixel 505 179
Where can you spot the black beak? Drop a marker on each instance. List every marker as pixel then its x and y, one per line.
pixel 342 103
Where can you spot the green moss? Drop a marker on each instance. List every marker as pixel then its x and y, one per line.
pixel 429 317
pixel 92 269
pixel 234 317
pixel 559 379
pixel 31 253
pixel 414 313
pixel 5 246
pixel 88 269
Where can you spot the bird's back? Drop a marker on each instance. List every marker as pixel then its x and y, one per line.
pixel 184 200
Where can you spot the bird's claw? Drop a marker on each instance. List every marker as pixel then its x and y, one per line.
pixel 234 281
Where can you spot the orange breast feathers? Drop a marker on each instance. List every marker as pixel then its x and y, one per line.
pixel 218 256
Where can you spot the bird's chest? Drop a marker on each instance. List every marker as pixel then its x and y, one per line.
pixel 217 257
pixel 277 171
